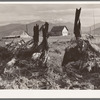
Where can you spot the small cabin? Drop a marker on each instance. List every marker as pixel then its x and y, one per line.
pixel 59 31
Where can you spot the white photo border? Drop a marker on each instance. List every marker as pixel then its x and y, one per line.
pixel 50 93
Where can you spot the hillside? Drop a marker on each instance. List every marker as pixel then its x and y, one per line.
pixel 96 31
pixel 92 30
pixel 96 26
pixel 70 27
pixel 8 29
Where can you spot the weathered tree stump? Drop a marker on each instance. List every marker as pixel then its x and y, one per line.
pixel 43 47
pixel 80 53
pixel 36 34
pixel 77 24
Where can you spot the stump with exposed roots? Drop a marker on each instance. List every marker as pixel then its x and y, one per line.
pixel 81 55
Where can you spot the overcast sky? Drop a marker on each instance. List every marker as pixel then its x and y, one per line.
pixel 49 12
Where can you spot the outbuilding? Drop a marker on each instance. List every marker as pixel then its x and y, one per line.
pixel 16 36
pixel 59 31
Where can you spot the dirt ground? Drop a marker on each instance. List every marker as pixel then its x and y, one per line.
pixel 22 76
pixel 56 53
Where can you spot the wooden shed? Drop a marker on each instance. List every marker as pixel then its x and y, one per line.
pixel 59 31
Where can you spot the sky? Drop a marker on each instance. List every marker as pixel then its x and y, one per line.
pixel 55 13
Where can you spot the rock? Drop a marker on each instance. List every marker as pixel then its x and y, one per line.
pixel 36 56
pixel 11 62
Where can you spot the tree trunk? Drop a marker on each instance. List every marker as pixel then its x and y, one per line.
pixel 77 24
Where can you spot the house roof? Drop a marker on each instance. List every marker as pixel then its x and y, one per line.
pixel 18 33
pixel 58 28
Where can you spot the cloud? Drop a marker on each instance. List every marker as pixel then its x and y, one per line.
pixel 49 12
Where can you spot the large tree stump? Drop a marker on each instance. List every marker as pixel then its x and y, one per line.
pixel 77 24
pixel 81 54
pixel 43 47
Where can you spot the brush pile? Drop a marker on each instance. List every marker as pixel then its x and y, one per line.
pixel 25 63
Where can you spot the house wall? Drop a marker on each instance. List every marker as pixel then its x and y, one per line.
pixel 64 32
pixel 55 33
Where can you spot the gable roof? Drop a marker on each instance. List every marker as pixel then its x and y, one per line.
pixel 58 28
pixel 18 33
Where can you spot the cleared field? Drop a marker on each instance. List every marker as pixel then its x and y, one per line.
pixel 54 77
